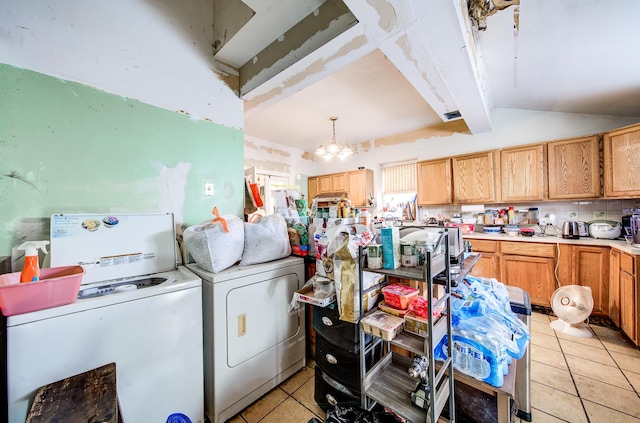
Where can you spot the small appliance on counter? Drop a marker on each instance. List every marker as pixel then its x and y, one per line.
pixel 605 229
pixel 570 230
pixel 583 228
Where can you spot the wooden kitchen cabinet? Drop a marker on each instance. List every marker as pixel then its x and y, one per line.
pixel 360 187
pixel 358 184
pixel 533 274
pixel 530 266
pixel 621 151
pixel 334 182
pixel 629 318
pixel 524 173
pixel 476 178
pixel 614 286
pixel 312 189
pixel 434 182
pixel 488 266
pixel 574 168
pixel 586 266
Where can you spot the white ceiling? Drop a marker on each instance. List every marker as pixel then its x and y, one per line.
pixel 576 56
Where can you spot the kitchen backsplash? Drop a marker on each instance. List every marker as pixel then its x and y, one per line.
pixel 563 210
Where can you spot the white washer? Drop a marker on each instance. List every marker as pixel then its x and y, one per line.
pixel 153 332
pixel 252 342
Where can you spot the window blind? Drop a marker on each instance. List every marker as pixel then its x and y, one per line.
pixel 400 178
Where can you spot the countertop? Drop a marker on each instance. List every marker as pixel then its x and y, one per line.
pixel 553 239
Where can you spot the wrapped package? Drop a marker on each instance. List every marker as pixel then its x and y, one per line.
pixel 390 247
pixel 346 273
pixel 214 248
pixel 265 240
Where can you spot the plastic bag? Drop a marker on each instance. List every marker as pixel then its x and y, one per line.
pixel 265 240
pixel 214 248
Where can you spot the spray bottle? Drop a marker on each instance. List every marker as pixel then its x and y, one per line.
pixel 31 269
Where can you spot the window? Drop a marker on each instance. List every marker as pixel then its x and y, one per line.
pixel 400 189
pixel 400 179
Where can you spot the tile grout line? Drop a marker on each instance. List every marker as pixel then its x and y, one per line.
pixel 564 356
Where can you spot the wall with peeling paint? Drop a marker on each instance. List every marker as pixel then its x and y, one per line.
pixel 272 157
pixel 66 147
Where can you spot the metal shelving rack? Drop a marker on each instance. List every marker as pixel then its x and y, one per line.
pixel 388 382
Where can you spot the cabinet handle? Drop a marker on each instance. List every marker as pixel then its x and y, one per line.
pixel 331 359
pixel 327 321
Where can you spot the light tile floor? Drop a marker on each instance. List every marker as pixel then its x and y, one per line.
pixel 572 380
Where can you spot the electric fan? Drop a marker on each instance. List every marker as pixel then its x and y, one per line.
pixel 573 305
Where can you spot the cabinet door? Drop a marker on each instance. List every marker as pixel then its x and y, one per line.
pixel 574 168
pixel 621 150
pixel 338 182
pixel 524 173
pixel 324 184
pixel 614 286
pixel 591 268
pixel 312 189
pixel 533 274
pixel 488 266
pixel 434 182
pixel 476 178
pixel 360 187
pixel 628 305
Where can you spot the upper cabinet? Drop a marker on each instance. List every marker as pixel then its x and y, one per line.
pixel 621 149
pixel 312 188
pixel 476 178
pixel 335 182
pixel 434 182
pixel 574 168
pixel 358 184
pixel 524 173
pixel 360 187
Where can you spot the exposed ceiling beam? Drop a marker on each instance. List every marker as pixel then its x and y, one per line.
pixel 229 16
pixel 315 30
pixel 432 45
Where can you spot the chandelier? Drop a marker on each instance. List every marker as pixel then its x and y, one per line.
pixel 334 147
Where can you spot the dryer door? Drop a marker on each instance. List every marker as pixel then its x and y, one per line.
pixel 258 318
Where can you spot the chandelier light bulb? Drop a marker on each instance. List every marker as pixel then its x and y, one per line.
pixel 334 147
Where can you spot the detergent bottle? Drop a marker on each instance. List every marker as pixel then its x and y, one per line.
pixel 31 269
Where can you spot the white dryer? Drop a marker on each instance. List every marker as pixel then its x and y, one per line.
pixel 252 342
pixel 149 324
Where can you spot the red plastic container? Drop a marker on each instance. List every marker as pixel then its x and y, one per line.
pixel 399 296
pixel 57 286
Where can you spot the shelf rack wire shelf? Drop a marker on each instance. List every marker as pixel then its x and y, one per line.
pixel 388 382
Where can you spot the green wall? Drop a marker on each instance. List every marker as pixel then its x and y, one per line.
pixel 66 147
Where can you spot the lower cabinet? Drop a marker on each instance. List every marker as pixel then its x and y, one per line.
pixel 614 286
pixel 586 266
pixel 628 274
pixel 488 266
pixel 532 274
pixel 628 295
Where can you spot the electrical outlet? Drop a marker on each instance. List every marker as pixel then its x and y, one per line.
pixel 208 188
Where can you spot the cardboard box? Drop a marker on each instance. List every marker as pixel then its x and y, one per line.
pixel 416 324
pixel 306 295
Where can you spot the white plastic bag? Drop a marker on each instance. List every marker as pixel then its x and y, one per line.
pixel 212 247
pixel 265 240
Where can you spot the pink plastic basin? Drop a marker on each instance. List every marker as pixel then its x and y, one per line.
pixel 57 286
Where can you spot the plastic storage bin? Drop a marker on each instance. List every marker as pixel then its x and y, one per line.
pixel 382 325
pixel 399 296
pixel 57 286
